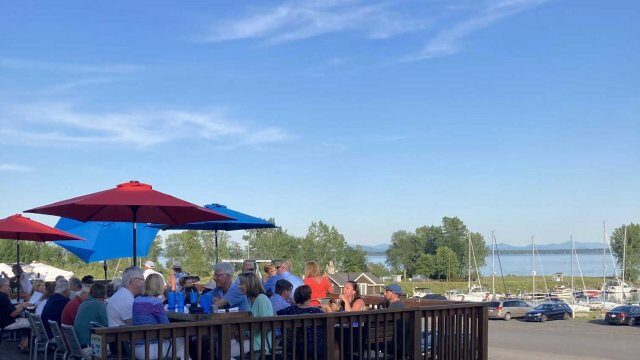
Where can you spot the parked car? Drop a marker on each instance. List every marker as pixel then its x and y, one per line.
pixel 507 309
pixel 624 314
pixel 548 311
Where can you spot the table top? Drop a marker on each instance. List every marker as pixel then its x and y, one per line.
pixel 175 316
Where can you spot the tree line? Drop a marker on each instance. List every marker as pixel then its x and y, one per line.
pixel 436 251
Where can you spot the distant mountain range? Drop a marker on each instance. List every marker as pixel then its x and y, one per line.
pixel 375 249
pixel 381 248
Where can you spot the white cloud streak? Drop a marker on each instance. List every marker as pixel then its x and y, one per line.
pixel 447 41
pixel 297 20
pixel 61 124
pixel 14 168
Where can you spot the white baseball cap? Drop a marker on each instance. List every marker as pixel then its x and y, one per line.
pixel 149 264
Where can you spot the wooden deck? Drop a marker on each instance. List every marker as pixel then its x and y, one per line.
pixel 9 351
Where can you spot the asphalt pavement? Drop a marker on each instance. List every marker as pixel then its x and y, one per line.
pixel 562 340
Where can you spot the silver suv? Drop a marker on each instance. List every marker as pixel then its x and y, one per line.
pixel 507 309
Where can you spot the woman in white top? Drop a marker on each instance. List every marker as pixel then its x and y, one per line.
pixel 50 290
pixel 39 288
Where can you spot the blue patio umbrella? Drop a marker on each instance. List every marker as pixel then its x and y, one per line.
pixel 242 222
pixel 106 240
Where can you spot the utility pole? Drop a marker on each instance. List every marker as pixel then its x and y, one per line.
pixel 624 252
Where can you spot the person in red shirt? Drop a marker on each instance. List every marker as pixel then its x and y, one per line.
pixel 319 284
pixel 71 309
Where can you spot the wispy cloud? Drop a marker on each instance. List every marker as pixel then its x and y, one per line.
pixel 448 40
pixel 14 168
pixel 27 64
pixel 63 124
pixel 297 20
pixel 446 24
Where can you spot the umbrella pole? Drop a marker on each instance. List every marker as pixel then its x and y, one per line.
pixel 104 266
pixel 134 209
pixel 215 236
pixel 19 276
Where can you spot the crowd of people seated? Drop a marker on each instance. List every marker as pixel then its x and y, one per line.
pixel 141 298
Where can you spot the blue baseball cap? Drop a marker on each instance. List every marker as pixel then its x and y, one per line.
pixel 395 288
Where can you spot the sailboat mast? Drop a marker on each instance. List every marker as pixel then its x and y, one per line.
pixel 604 246
pixel 533 267
pixel 572 250
pixel 493 264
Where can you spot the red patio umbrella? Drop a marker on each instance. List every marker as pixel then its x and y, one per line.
pixel 131 202
pixel 17 227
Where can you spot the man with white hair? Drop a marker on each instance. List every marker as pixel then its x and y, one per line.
pixel 120 305
pixel 71 309
pixel 149 269
pixel 227 294
pixel 55 305
pixel 10 314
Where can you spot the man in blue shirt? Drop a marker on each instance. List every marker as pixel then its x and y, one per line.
pixel 227 295
pixel 56 303
pixel 283 270
pixel 280 299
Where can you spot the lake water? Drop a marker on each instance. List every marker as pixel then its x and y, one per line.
pixel 547 264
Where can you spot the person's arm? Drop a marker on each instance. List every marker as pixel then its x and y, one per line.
pixel 160 314
pixel 328 285
pixel 220 302
pixel 19 309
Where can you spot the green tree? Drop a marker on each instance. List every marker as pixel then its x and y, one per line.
pixel 425 265
pixel 431 237
pixel 355 259
pixel 632 258
pixel 403 252
pixel 446 264
pixel 378 269
pixel 324 243
pixel 273 244
pixel 456 237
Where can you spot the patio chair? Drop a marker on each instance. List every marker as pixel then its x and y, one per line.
pixel 40 341
pixel 61 346
pixel 75 350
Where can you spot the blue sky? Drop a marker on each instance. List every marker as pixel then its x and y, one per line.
pixel 519 116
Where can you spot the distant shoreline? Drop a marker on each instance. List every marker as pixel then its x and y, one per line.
pixel 524 252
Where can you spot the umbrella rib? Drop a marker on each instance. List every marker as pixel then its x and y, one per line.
pixel 168 215
pixel 95 213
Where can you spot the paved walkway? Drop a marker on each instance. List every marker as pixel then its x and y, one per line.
pixel 563 340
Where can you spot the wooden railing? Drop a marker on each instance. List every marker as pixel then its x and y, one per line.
pixel 443 331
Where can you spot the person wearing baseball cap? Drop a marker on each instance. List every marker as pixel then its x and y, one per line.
pixel 176 276
pixel 149 269
pixel 392 293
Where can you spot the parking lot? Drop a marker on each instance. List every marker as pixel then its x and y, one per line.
pixel 558 339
